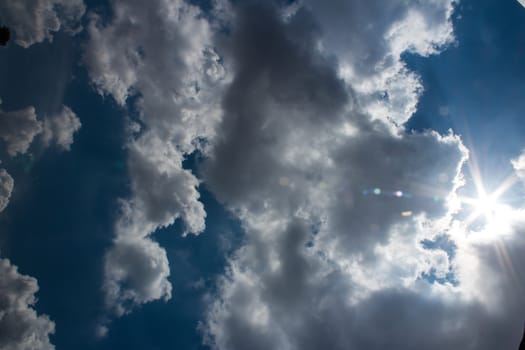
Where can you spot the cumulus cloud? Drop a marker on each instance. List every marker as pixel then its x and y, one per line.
pixel 20 326
pixel 60 128
pixel 170 69
pixel 18 129
pixel 34 21
pixel 6 187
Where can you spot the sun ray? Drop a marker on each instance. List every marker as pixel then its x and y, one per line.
pixel 507 266
pixel 484 204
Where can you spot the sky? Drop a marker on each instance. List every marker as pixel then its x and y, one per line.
pixel 262 174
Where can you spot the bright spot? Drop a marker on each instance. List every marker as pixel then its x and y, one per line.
pixel 486 205
pixel 398 193
pixel 377 191
pixel 406 213
pixel 497 216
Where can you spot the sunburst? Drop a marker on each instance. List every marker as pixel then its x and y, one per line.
pixel 487 205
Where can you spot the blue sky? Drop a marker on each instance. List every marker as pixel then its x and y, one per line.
pixel 207 178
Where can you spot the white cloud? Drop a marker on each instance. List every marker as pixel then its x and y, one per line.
pixel 20 326
pixel 34 21
pixel 519 166
pixel 18 129
pixel 60 128
pixel 174 69
pixel 6 187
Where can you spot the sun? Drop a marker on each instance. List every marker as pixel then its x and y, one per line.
pixel 488 206
pixel 484 205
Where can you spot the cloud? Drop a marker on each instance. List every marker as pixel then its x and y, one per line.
pixel 368 38
pixel 35 21
pixel 6 187
pixel 298 111
pixel 60 128
pixel 140 265
pixel 336 198
pixel 167 74
pixel 18 129
pixel 519 166
pixel 20 326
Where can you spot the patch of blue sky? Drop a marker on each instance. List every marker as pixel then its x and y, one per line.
pixel 476 86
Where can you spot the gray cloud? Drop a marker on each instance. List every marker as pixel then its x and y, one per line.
pixel 34 21
pixel 20 326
